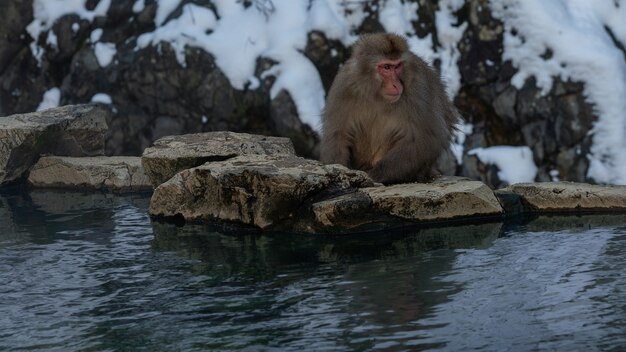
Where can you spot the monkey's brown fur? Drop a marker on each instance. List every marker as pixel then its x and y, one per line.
pixel 393 142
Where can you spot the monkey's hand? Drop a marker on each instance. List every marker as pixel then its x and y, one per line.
pixel 402 164
pixel 333 152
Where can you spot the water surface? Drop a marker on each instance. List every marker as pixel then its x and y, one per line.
pixel 90 272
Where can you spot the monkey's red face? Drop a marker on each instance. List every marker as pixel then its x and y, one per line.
pixel 390 72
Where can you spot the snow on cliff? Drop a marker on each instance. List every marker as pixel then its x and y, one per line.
pixel 582 36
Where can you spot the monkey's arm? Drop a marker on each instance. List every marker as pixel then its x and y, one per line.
pixel 335 149
pixel 406 162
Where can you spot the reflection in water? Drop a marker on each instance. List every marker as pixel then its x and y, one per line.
pixel 564 288
pixel 91 272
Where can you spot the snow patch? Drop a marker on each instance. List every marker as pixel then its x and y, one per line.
pixel 463 130
pixel 164 9
pixel 51 99
pixel 139 6
pixel 515 163
pixel 190 29
pixel 52 39
pixel 449 36
pixel 104 53
pixel 96 34
pixel 47 12
pixel 102 98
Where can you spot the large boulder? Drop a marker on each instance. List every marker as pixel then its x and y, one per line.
pixel 77 130
pixel 562 197
pixel 258 190
pixel 172 154
pixel 117 173
pixel 446 198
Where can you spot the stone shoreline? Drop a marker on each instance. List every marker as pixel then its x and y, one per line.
pixel 259 181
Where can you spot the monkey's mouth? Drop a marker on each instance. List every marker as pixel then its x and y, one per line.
pixel 392 98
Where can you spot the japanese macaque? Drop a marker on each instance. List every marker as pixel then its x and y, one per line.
pixel 387 113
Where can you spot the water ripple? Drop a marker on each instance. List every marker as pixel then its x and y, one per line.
pixel 99 277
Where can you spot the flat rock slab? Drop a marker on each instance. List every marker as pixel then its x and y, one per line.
pixel 172 154
pixel 73 130
pixel 564 197
pixel 103 173
pixel 444 199
pixel 257 190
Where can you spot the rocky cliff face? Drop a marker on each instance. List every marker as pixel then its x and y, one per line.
pixel 153 95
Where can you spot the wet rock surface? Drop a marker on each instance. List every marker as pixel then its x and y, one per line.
pixel 256 181
pixel 117 173
pixel 257 190
pixel 446 198
pixel 564 197
pixel 172 154
pixel 67 131
pixel 280 191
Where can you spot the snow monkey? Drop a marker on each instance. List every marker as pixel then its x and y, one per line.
pixel 387 113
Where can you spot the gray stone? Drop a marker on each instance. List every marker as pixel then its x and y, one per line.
pixel 510 202
pixel 475 169
pixel 504 104
pixel 17 15
pixel 77 130
pixel 172 154
pixel 445 199
pixel 344 212
pixel 569 196
pixel 572 164
pixel 117 173
pixel 258 190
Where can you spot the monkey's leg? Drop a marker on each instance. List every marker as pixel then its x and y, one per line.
pixel 401 164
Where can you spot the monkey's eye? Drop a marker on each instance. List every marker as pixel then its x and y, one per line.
pixel 386 66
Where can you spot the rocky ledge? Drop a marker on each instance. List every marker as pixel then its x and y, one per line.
pixel 73 130
pixel 64 148
pixel 259 181
pixel 119 173
pixel 239 178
